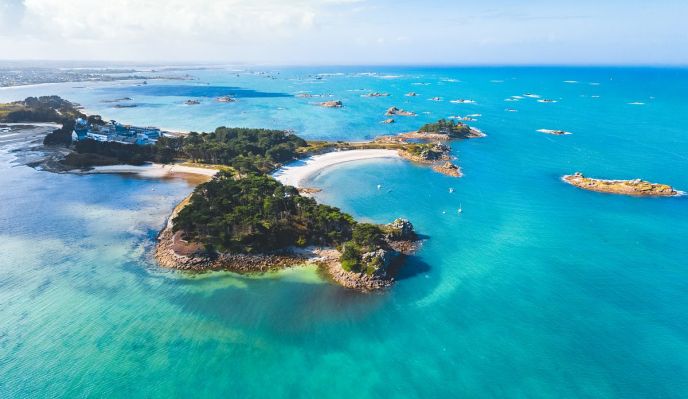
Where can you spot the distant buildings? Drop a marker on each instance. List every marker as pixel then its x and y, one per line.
pixel 114 131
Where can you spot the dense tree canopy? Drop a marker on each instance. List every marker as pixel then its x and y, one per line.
pixel 257 150
pixel 40 109
pixel 452 128
pixel 44 109
pixel 247 150
pixel 257 213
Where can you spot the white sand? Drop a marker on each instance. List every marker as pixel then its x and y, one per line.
pixel 153 170
pixel 36 124
pixel 296 173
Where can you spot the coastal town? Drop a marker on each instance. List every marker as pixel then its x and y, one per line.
pixel 12 75
pixel 115 132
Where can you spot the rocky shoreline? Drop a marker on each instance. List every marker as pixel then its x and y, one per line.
pixel 418 135
pixel 440 163
pixel 172 252
pixel 391 111
pixel 636 187
pixel 437 155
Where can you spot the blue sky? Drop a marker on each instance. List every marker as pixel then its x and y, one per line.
pixel 348 31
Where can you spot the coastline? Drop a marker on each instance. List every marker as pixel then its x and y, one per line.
pixel 172 252
pixel 153 170
pixel 297 172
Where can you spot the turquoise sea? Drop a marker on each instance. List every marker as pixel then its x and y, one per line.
pixel 537 290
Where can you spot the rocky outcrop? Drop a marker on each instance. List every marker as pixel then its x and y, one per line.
pixel 636 187
pixel 437 156
pixel 225 99
pixel 448 168
pixel 469 133
pixel 331 104
pixel 400 229
pixel 554 132
pixel 357 281
pixel 376 94
pixel 388 121
pixel 397 111
pixel 400 241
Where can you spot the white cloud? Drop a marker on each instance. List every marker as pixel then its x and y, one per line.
pixel 124 28
pixel 343 31
pixel 154 19
pixel 11 13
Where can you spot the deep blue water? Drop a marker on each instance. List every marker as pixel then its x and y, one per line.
pixel 537 289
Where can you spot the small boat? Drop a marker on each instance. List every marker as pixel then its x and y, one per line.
pixel 460 210
pixel 451 190
pixel 379 186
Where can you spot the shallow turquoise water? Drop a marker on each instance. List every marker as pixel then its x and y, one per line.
pixel 537 289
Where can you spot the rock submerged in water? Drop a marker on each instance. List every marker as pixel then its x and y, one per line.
pixel 331 104
pixel 376 94
pixel 397 111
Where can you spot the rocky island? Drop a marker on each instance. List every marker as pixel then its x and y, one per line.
pixel 444 130
pixel 397 111
pixel 331 104
pixel 251 223
pixel 634 187
pixel 554 132
pixel 426 145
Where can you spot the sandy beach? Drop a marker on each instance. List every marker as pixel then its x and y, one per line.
pixel 33 124
pixel 296 173
pixel 154 170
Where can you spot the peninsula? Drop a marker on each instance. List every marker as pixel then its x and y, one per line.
pixel 239 217
pixel 634 187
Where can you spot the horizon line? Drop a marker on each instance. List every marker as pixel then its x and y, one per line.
pixel 317 64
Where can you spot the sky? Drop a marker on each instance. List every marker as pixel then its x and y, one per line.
pixel 343 32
